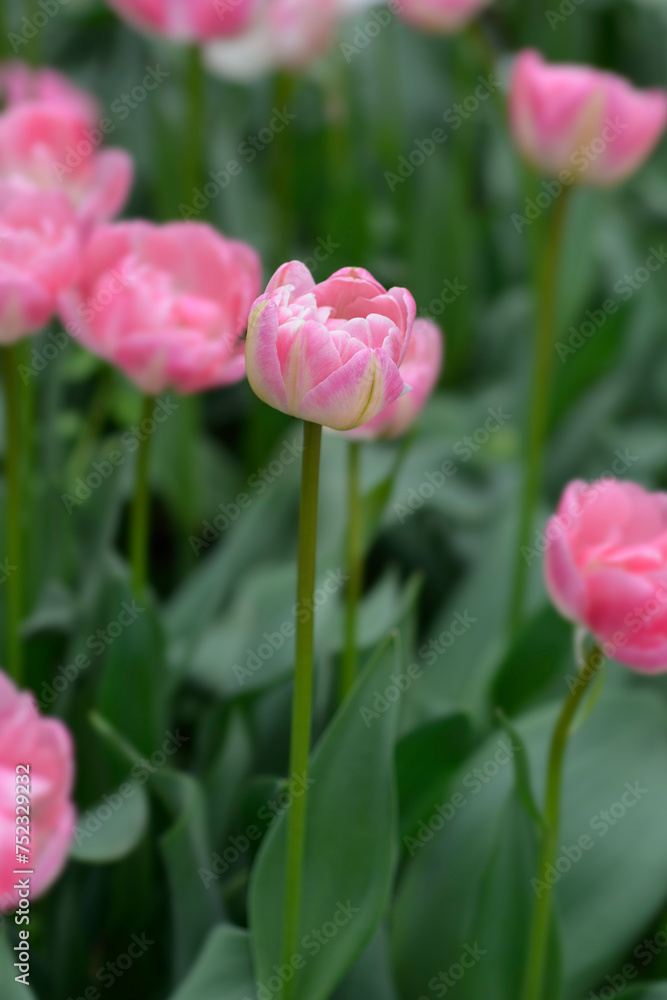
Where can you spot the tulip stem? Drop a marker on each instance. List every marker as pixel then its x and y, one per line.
pixel 302 705
pixel 196 123
pixel 13 505
pixel 538 415
pixel 355 569
pixel 542 913
pixel 140 508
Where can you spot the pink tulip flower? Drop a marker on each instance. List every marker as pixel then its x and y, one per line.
pixel 606 568
pixel 282 33
pixel 441 16
pixel 187 20
pixel 591 125
pixel 166 304
pixel 51 145
pixel 329 353
pixel 19 83
pixel 40 250
pixel 420 370
pixel 40 750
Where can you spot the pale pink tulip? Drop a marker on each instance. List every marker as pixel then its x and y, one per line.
pixel 442 16
pixel 591 125
pixel 282 33
pixel 19 83
pixel 187 20
pixel 51 145
pixel 43 747
pixel 40 251
pixel 329 353
pixel 166 304
pixel 420 371
pixel 606 568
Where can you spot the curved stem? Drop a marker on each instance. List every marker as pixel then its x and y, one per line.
pixel 355 568
pixel 302 705
pixel 539 935
pixel 538 416
pixel 140 506
pixel 13 502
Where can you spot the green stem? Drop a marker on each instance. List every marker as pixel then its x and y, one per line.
pixel 541 922
pixel 538 416
pixel 196 124
pixel 355 568
pixel 13 501
pixel 302 704
pixel 140 507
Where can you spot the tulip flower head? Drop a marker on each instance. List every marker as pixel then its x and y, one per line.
pixel 606 568
pixel 329 353
pixel 420 371
pixel 19 83
pixel 593 125
pixel 441 16
pixel 40 250
pixel 281 34
pixel 166 304
pixel 36 755
pixel 51 145
pixel 187 20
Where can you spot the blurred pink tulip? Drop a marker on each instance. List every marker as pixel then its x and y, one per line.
pixel 420 371
pixel 282 33
pixel 44 747
pixel 187 20
pixel 50 145
pixel 442 16
pixel 40 250
pixel 591 124
pixel 167 304
pixel 329 353
pixel 606 568
pixel 19 82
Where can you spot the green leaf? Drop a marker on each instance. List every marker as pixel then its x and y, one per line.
pixel 371 978
pixel 533 662
pixel 603 901
pixel 223 969
pixel 135 684
pixel 101 838
pixel 350 842
pixel 196 908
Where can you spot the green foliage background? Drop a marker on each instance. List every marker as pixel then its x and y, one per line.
pixel 172 670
